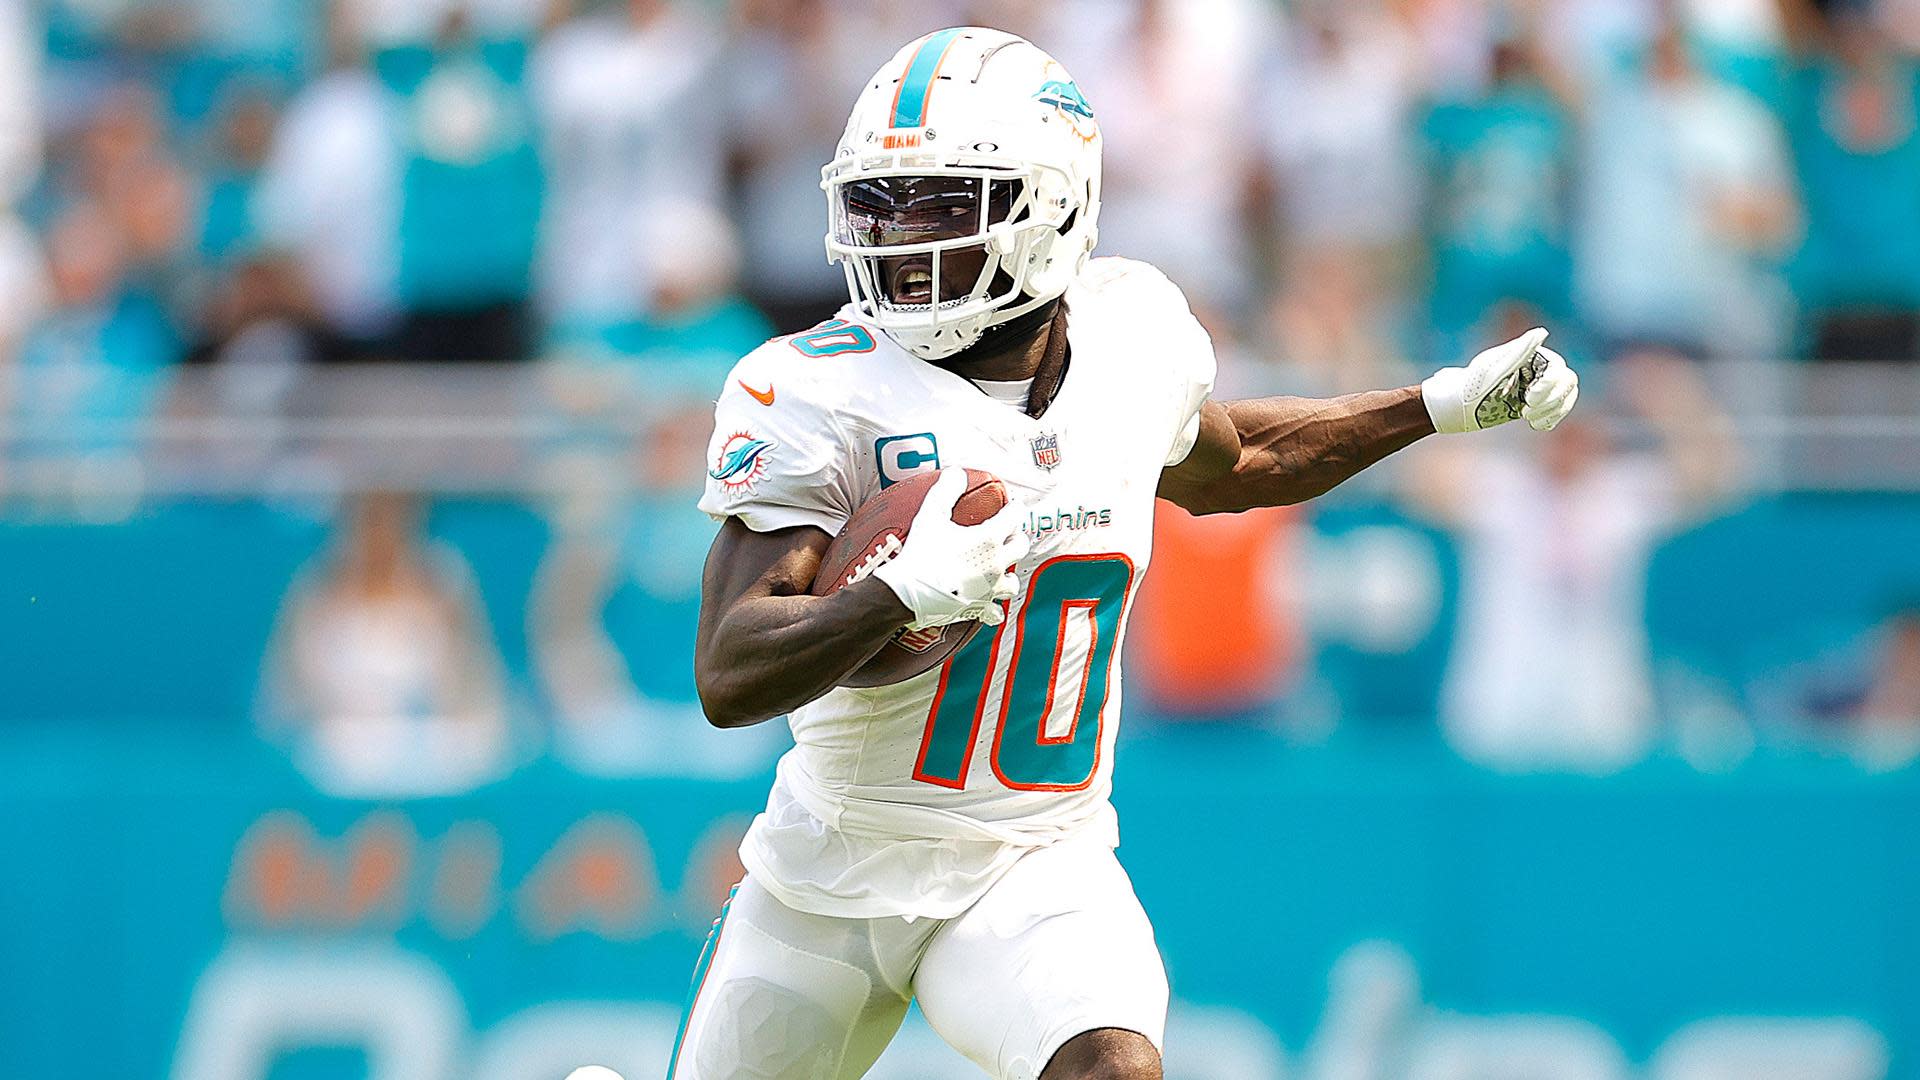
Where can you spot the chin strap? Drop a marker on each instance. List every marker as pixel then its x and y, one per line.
pixel 1053 365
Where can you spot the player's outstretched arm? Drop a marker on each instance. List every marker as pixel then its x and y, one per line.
pixel 1282 450
pixel 1279 451
pixel 764 646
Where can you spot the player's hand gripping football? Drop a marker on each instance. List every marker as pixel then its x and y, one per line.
pixel 1522 379
pixel 948 573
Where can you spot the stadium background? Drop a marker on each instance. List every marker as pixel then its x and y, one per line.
pixel 354 373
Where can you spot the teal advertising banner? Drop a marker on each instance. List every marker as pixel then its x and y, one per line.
pixel 188 906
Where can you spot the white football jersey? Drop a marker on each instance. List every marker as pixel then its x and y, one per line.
pixel 911 799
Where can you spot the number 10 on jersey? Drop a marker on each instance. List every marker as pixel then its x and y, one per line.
pixel 1068 598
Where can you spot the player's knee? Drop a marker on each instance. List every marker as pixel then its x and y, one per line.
pixel 760 1030
pixel 1105 1054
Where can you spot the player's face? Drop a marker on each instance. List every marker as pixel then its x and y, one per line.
pixel 897 210
pixel 908 279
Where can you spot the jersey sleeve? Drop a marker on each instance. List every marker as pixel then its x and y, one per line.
pixel 1173 352
pixel 1184 356
pixel 1193 388
pixel 778 457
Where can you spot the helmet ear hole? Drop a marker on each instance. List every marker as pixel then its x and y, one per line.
pixel 1044 277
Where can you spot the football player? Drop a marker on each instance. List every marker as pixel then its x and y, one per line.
pixel 949 838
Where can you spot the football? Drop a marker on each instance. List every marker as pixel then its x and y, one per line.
pixel 874 534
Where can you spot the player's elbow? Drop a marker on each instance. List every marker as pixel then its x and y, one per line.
pixel 725 698
pixel 719 701
pixel 725 719
pixel 724 714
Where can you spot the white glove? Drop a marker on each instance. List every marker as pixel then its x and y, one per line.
pixel 1521 379
pixel 948 573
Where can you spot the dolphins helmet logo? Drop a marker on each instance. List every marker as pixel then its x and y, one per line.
pixel 1065 96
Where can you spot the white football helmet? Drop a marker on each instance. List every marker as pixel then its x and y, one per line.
pixel 970 144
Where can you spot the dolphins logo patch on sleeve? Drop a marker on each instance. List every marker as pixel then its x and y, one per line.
pixel 741 461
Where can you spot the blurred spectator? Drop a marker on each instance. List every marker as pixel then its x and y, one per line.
pixel 1852 120
pixel 1455 37
pixel 258 313
pixel 1372 590
pixel 696 324
pixel 185 50
pixel 89 371
pixel 1500 173
pixel 21 46
pixel 382 675
pixel 1550 664
pixel 1342 175
pixel 1172 87
pixel 1901 20
pixel 1739 42
pixel 1590 38
pixel 1333 330
pixel 630 117
pixel 328 194
pixel 1687 206
pixel 126 165
pixel 255 312
pixel 257 337
pixel 612 599
pixel 24 282
pixel 1337 126
pixel 271 41
pixel 794 69
pixel 470 193
pixel 243 137
pixel 91 45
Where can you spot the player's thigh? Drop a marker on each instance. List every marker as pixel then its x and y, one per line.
pixel 1059 946
pixel 782 994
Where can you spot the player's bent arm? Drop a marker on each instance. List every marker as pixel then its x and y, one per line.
pixel 765 647
pixel 1287 450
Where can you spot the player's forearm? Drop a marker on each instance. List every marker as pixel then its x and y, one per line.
pixel 1294 449
pixel 774 654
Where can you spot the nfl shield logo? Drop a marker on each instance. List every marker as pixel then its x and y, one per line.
pixel 1046 450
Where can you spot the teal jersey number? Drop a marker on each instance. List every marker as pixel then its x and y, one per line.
pixel 1087 589
pixel 831 338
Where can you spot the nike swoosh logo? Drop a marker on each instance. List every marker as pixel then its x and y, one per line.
pixel 764 397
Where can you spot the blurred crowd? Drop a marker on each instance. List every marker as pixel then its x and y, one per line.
pixel 1340 186
pixel 622 195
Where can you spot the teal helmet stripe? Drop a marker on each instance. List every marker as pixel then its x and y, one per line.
pixel 910 100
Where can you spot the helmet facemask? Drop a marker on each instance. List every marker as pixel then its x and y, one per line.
pixel 935 255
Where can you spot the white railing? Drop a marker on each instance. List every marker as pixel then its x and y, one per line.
pixel 540 428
